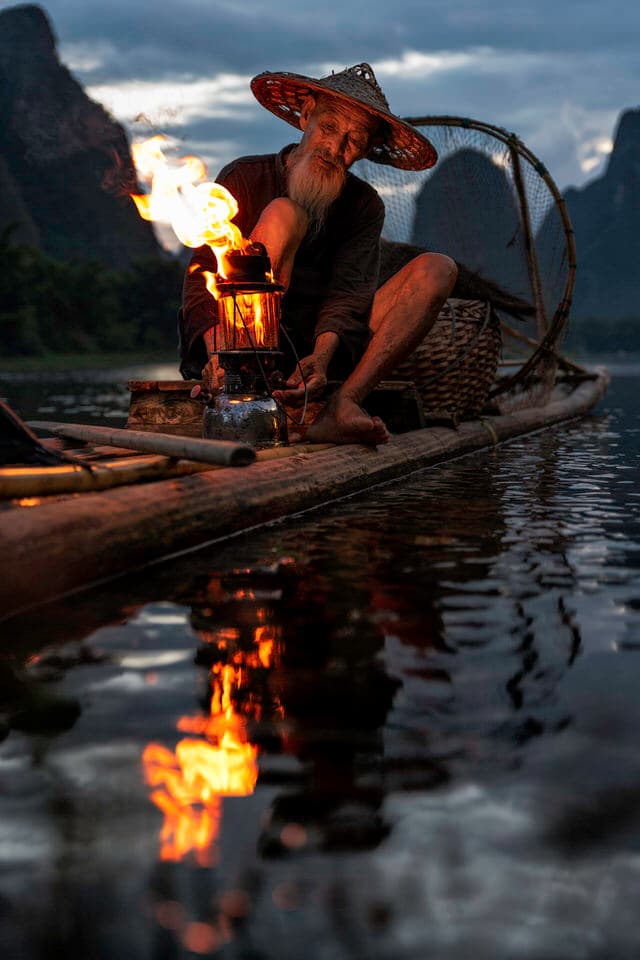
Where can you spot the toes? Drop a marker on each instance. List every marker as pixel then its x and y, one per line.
pixel 380 430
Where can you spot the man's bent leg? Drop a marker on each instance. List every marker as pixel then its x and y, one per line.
pixel 404 310
pixel 281 227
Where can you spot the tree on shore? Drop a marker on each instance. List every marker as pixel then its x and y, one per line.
pixel 51 306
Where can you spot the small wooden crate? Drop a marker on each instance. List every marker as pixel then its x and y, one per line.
pixel 165 406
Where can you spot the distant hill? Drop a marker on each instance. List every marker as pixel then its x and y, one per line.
pixel 63 159
pixel 606 218
pixel 486 236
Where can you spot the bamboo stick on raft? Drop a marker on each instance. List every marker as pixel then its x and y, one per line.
pixel 20 482
pixel 224 453
pixel 562 361
pixel 269 453
pixel 33 481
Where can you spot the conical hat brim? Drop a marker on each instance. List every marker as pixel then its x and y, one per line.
pixel 402 146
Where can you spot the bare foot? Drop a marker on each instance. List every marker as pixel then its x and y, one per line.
pixel 343 421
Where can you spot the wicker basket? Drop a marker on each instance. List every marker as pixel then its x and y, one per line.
pixel 455 365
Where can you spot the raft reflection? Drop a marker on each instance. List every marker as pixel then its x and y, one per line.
pixel 274 684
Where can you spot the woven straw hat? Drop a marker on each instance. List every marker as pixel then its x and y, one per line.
pixel 401 145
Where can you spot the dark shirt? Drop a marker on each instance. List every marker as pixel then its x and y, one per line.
pixel 335 271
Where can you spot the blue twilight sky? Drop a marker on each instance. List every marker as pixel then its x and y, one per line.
pixel 556 73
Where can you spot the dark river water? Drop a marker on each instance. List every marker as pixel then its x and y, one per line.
pixel 404 727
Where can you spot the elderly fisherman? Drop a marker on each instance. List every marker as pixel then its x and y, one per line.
pixel 321 226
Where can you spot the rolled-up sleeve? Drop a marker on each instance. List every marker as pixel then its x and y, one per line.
pixel 198 312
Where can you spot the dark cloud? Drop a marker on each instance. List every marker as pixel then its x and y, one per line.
pixel 249 36
pixel 557 74
pixel 193 37
pixel 224 139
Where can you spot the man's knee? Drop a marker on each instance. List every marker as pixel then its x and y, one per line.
pixel 435 272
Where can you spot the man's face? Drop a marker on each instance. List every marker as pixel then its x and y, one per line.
pixel 334 135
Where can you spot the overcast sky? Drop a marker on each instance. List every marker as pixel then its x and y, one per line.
pixel 557 73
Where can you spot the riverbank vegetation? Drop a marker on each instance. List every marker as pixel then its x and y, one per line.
pixel 597 337
pixel 66 315
pixel 49 307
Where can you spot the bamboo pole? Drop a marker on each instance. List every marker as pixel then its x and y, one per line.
pixel 548 363
pixel 28 482
pixel 224 453
pixel 529 244
pixel 20 483
pixel 562 361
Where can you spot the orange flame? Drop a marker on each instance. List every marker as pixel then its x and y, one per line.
pixel 258 327
pixel 265 639
pixel 250 305
pixel 188 785
pixel 199 211
pixel 210 283
pixel 247 319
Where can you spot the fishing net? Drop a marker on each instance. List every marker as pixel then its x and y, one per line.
pixel 491 205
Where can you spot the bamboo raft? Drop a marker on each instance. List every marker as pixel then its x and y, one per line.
pixel 56 544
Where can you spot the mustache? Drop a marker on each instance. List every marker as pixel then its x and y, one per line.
pixel 313 187
pixel 328 158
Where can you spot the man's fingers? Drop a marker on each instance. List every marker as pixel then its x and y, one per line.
pixel 296 378
pixel 296 393
pixel 290 398
pixel 315 386
pixel 294 396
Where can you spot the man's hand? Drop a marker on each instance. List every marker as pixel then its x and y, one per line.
pixel 315 377
pixel 212 372
pixel 314 367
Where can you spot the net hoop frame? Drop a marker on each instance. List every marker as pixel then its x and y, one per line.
pixel 544 351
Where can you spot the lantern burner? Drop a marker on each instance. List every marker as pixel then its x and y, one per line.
pixel 246 340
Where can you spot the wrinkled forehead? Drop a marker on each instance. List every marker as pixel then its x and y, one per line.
pixel 358 119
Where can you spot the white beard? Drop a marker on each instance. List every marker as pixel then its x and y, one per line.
pixel 313 187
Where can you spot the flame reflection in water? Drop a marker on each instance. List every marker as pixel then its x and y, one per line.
pixel 216 761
